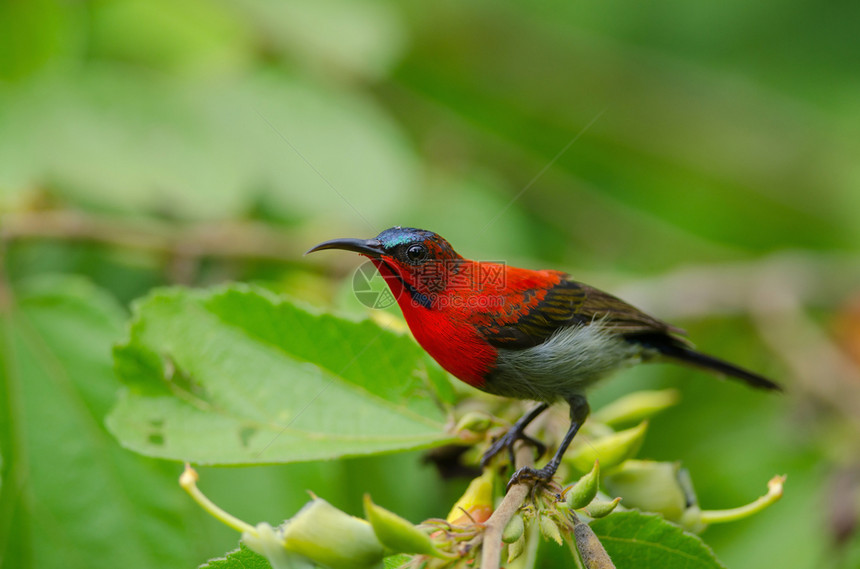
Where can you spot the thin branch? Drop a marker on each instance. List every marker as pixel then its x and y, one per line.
pixel 819 367
pixel 231 239
pixel 776 292
pixel 814 278
pixel 491 554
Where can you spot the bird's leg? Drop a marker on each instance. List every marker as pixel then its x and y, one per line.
pixel 578 412
pixel 515 434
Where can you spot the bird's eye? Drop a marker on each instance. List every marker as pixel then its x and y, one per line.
pixel 416 253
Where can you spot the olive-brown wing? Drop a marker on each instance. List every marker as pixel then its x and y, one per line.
pixel 568 303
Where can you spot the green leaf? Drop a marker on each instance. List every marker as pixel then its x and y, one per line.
pixel 242 558
pixel 79 500
pixel 647 541
pixel 395 561
pixel 240 376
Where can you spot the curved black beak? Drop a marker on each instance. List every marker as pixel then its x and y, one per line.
pixel 371 247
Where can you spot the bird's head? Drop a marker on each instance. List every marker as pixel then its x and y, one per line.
pixel 416 260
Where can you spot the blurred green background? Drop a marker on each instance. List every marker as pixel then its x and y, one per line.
pixel 698 159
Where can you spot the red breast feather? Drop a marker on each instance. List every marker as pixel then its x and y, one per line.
pixel 441 328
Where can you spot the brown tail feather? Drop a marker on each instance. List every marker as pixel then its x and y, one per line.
pixel 674 349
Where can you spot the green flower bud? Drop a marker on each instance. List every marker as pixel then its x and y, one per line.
pixel 636 407
pixel 333 538
pixel 649 486
pixel 584 490
pixel 549 529
pixel 396 533
pixel 514 530
pixel 600 509
pixel 474 421
pixel 516 548
pixel 691 520
pixel 269 542
pixel 611 450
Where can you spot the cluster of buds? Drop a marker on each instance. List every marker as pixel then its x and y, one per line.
pixel 663 488
pixel 322 535
pixel 650 486
pixel 555 513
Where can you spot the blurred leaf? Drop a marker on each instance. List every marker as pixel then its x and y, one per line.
pixel 79 500
pixel 364 37
pixel 157 33
pixel 647 541
pixel 193 151
pixel 314 151
pixel 127 274
pixel 34 34
pixel 238 376
pixel 851 552
pixel 242 558
pixel 475 214
pixel 674 151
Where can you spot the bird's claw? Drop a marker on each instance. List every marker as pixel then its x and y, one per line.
pixel 507 441
pixel 527 474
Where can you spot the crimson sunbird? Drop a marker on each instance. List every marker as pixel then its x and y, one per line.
pixel 522 333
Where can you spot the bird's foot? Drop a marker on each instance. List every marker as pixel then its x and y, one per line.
pixel 506 442
pixel 529 475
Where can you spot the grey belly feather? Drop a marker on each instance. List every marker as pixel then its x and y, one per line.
pixel 564 365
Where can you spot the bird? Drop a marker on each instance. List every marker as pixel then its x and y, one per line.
pixel 520 333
